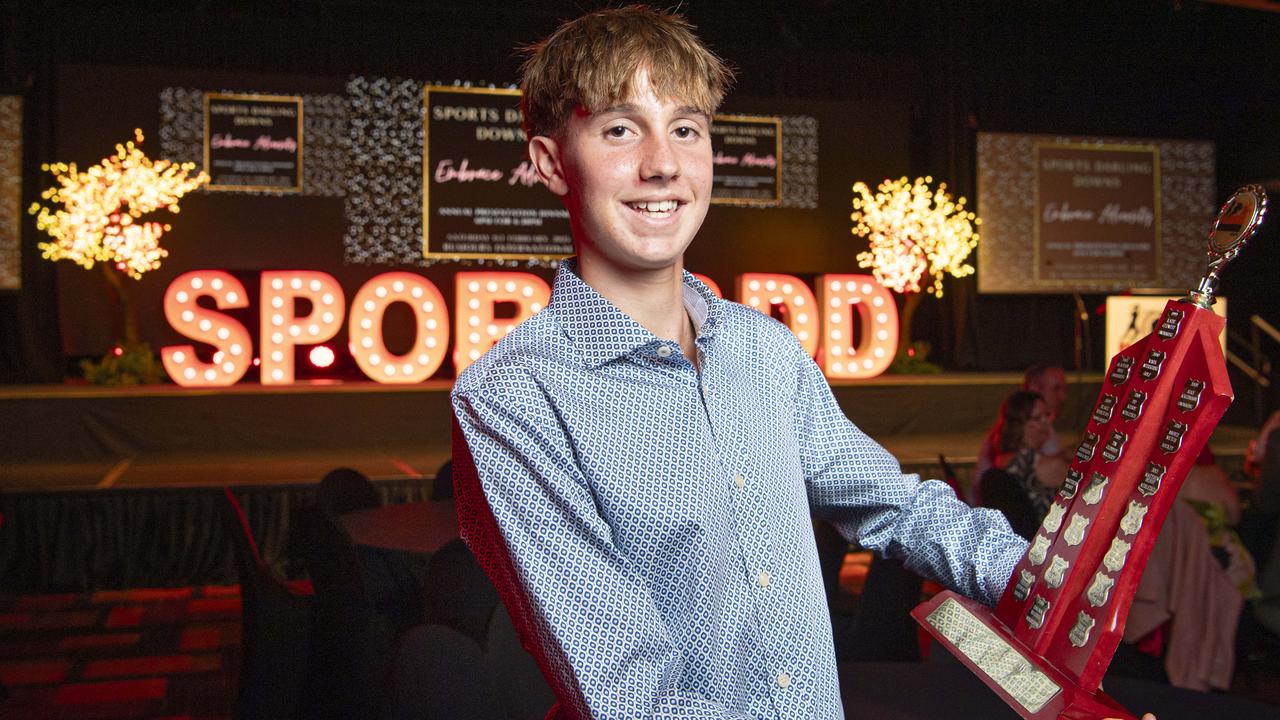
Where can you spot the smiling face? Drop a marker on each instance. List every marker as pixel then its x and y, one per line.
pixel 636 179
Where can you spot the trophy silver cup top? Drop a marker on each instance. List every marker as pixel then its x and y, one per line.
pixel 1237 221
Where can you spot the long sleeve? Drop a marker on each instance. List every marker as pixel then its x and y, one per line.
pixel 860 487
pixel 531 518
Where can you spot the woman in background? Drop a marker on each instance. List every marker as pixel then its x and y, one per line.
pixel 1022 481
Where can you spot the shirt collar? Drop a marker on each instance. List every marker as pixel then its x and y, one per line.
pixel 603 332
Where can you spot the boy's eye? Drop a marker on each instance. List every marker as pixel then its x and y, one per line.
pixel 617 131
pixel 684 132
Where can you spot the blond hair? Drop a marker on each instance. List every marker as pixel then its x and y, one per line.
pixel 592 62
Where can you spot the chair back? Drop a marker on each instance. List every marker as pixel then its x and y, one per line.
pixel 440 673
pixel 457 593
pixel 244 548
pixel 275 632
pixel 344 490
pixel 520 685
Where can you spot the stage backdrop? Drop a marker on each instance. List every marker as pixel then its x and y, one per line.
pixel 1089 214
pixel 359 210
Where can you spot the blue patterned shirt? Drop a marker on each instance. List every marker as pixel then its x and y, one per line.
pixel 648 523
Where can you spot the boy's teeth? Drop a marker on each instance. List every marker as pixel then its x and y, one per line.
pixel 655 205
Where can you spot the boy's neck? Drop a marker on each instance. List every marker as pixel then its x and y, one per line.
pixel 654 298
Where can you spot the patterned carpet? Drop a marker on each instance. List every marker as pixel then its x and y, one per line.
pixel 120 654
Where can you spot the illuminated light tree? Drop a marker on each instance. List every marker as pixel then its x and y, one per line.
pixel 100 218
pixel 916 235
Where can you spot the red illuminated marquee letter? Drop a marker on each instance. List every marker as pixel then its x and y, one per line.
pixel 871 352
pixel 476 328
pixel 430 319
pixel 232 344
pixel 764 291
pixel 282 329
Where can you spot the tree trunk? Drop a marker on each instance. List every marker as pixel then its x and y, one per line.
pixel 910 301
pixel 127 311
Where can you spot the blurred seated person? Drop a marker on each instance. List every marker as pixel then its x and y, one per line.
pixel 1050 383
pixel 1022 479
pixel 1261 516
pixel 1264 511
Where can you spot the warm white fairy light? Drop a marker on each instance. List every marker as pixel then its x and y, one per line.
pixel 101 207
pixel 913 231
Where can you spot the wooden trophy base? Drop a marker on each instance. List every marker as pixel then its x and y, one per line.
pixel 1027 682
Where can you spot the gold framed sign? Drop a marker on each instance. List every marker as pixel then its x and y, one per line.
pixel 253 142
pixel 1097 215
pixel 481 197
pixel 747 156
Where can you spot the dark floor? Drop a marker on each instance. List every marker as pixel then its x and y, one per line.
pixel 173 654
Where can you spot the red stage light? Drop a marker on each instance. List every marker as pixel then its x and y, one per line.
pixel 321 356
pixel 117 351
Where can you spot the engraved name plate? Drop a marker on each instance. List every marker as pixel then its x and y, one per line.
pixel 1190 398
pixel 1080 631
pixel 1115 446
pixel 1120 373
pixel 1133 405
pixel 1039 608
pixel 1084 453
pixel 1097 486
pixel 1169 326
pixel 1023 589
pixel 993 655
pixel 1172 439
pixel 1100 589
pixel 1069 485
pixel 1106 405
pixel 1151 366
pixel 1150 484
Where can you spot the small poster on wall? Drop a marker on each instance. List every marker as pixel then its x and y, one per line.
pixel 747 154
pixel 481 197
pixel 253 142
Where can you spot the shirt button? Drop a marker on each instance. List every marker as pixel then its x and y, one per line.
pixel 664 351
pixel 784 680
pixel 763 581
pixel 739 481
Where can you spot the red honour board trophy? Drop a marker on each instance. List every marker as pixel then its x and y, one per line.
pixel 1047 644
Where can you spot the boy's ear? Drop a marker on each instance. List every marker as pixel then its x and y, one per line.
pixel 545 154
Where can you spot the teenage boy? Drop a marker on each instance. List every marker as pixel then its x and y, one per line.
pixel 639 462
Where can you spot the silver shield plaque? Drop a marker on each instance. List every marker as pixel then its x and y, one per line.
pixel 1039 550
pixel 1080 631
pixel 1053 519
pixel 1116 554
pixel 1074 534
pixel 1057 571
pixel 1131 523
pixel 1100 589
pixel 1097 486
